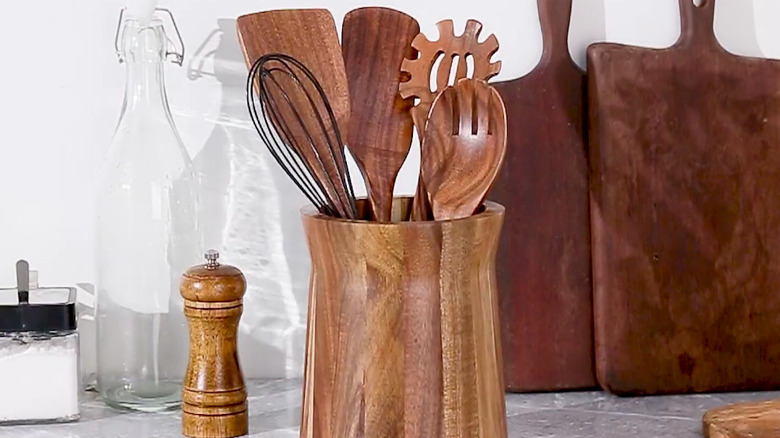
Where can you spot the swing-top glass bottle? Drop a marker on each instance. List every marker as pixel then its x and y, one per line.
pixel 147 233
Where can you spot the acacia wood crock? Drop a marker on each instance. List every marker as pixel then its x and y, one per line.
pixel 403 334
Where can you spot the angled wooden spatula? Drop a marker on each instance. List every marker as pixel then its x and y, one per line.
pixel 375 42
pixel 310 36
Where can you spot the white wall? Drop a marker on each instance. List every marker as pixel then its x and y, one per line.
pixel 61 90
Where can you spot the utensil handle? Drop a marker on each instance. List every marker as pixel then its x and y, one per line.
pixel 421 206
pixel 555 17
pixel 380 198
pixel 697 23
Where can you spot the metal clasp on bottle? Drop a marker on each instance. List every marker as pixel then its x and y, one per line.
pixel 176 55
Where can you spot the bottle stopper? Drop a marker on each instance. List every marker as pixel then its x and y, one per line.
pixel 213 392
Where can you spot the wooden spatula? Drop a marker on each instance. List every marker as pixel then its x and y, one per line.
pixel 310 36
pixel 375 42
pixel 463 147
pixel 450 48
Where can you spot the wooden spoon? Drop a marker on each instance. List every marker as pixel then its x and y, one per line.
pixel 375 42
pixel 310 36
pixel 450 48
pixel 463 147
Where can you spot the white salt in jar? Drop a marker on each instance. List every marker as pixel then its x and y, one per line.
pixel 39 353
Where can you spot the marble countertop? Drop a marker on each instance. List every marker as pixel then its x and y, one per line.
pixel 274 407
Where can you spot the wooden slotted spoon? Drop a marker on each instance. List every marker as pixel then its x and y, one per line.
pixel 375 41
pixel 463 148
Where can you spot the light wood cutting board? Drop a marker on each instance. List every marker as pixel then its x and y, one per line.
pixel 744 420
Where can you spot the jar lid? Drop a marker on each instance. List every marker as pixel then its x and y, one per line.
pixel 45 309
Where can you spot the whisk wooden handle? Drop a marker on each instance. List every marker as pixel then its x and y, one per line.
pixel 213 394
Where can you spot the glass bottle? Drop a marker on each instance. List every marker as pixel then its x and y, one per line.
pixel 147 235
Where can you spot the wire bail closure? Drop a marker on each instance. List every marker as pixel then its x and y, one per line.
pixel 176 55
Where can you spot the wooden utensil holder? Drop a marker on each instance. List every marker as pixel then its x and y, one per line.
pixel 403 332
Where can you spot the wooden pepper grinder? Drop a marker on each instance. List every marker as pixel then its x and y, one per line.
pixel 213 394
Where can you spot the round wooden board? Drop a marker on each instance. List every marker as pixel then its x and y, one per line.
pixel 744 420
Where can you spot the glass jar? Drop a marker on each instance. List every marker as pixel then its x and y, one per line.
pixel 147 236
pixel 39 354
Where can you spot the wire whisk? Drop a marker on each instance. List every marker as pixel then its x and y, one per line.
pixel 291 112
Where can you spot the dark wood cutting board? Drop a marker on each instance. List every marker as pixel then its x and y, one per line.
pixel 685 211
pixel 543 265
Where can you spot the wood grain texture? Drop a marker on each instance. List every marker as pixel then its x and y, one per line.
pixel 744 420
pixel 375 41
pixel 684 196
pixel 307 410
pixel 487 336
pixel 543 266
pixel 406 328
pixel 450 48
pixel 422 333
pixel 213 392
pixel 463 147
pixel 310 36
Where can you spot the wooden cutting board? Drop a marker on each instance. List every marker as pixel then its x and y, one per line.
pixel 744 420
pixel 685 211
pixel 543 265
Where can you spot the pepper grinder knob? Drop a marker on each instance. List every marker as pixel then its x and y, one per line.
pixel 213 392
pixel 211 259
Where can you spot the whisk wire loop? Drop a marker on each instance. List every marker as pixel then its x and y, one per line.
pixel 290 162
pixel 301 132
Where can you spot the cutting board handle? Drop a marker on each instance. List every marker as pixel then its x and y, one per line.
pixel 555 16
pixel 697 24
